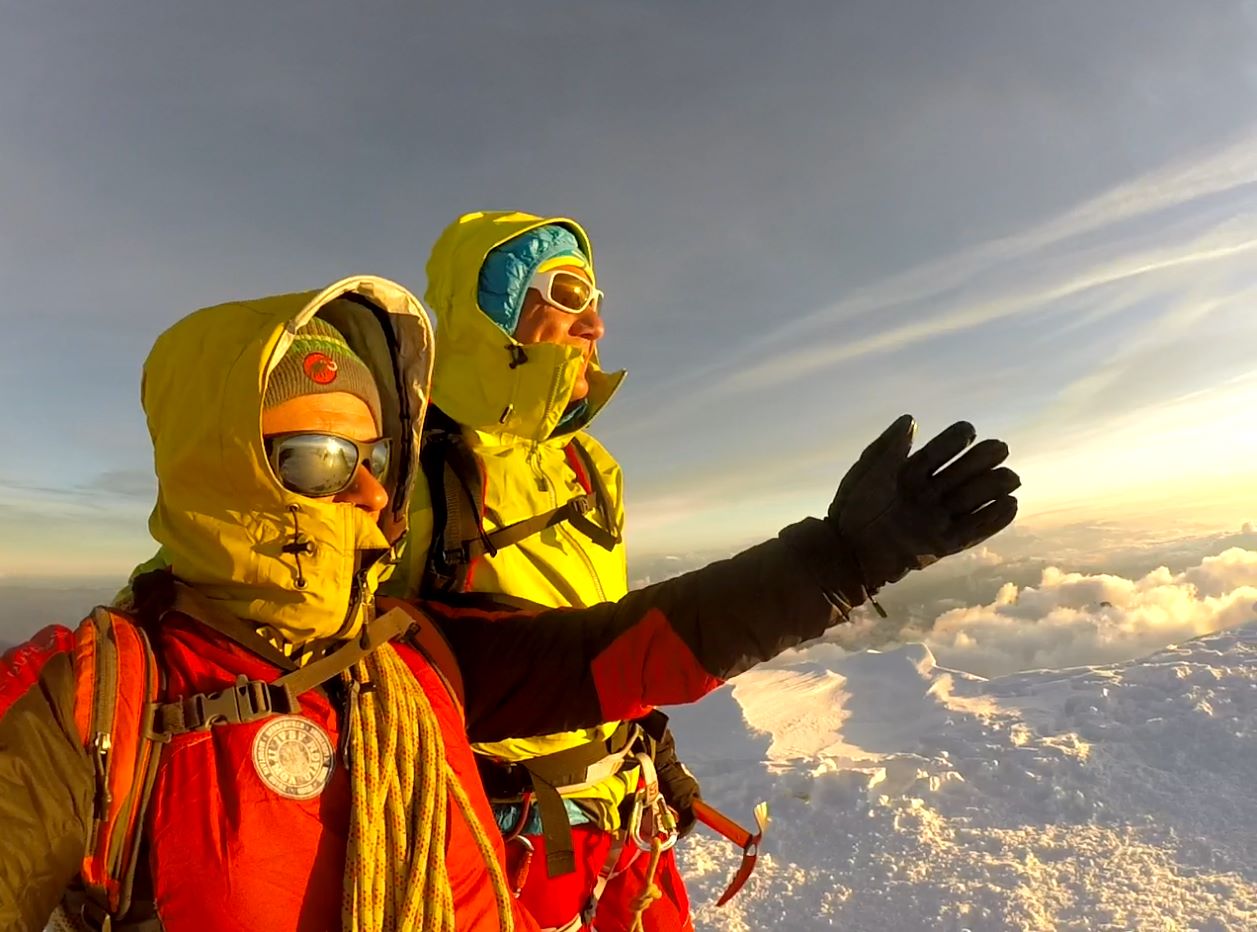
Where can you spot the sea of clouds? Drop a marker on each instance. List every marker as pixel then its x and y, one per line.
pixel 1105 596
pixel 1084 594
pixel 1071 619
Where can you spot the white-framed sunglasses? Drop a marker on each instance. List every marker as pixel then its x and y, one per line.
pixel 565 289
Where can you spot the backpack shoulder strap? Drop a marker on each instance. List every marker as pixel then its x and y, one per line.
pixel 118 682
pixel 159 592
pixel 609 534
pixel 249 700
pixel 456 487
pixel 456 480
pixel 427 638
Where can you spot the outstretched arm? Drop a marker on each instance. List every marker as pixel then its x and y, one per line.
pixel 674 642
pixel 46 780
pixel 666 644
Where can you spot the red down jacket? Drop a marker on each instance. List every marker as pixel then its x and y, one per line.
pixel 225 852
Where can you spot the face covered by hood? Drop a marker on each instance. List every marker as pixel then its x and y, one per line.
pixel 222 517
pixel 482 379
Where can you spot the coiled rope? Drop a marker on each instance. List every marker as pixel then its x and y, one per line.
pixel 395 875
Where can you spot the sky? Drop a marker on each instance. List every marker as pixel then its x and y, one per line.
pixel 1037 217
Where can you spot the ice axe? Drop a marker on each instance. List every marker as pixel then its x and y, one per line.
pixel 721 823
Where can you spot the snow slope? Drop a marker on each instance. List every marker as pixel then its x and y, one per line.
pixel 908 796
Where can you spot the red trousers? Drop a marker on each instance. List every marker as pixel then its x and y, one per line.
pixel 553 901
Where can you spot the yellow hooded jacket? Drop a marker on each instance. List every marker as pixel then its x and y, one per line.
pixel 508 414
pixel 222 517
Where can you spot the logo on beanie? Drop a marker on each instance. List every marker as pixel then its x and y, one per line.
pixel 293 756
pixel 320 367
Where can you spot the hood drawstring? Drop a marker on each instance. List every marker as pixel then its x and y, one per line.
pixel 298 546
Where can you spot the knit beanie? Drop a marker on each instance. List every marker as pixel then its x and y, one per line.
pixel 318 361
pixel 507 270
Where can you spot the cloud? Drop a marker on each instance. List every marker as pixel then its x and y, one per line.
pixel 967 311
pixel 1107 345
pixel 1169 221
pixel 964 314
pixel 72 532
pixel 101 490
pixel 128 483
pixel 1072 619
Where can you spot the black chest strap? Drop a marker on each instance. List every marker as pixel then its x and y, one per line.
pixel 250 700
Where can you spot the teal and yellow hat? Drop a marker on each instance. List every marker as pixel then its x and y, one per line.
pixel 507 270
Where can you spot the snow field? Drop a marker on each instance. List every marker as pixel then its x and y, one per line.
pixel 908 796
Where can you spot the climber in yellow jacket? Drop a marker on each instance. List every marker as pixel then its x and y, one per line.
pixel 520 500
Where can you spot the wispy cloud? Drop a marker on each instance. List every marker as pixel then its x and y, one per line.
pixel 1172 220
pixel 1128 407
pixel 1175 323
pixel 1192 181
pixel 963 315
pixel 93 529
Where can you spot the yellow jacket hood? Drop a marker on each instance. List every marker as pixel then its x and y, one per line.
pixel 222 517
pixel 481 379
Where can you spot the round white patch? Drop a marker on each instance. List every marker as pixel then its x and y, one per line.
pixel 293 756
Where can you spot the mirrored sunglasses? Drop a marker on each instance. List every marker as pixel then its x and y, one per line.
pixel 321 464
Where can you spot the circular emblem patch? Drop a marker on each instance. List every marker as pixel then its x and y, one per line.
pixel 293 756
pixel 320 367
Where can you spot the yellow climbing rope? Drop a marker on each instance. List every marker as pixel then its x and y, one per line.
pixel 651 891
pixel 395 876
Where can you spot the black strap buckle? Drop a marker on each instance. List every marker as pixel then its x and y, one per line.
pixel 246 701
pixel 454 557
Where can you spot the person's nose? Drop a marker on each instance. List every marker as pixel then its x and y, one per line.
pixel 365 492
pixel 588 325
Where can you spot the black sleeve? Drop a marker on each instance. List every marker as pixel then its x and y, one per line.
pixel 529 674
pixel 679 787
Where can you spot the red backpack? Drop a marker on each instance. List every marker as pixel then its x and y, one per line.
pixel 117 689
pixel 123 726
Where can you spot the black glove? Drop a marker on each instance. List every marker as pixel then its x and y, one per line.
pixel 677 784
pixel 897 512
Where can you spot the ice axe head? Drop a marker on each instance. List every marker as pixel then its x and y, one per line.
pixel 750 854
